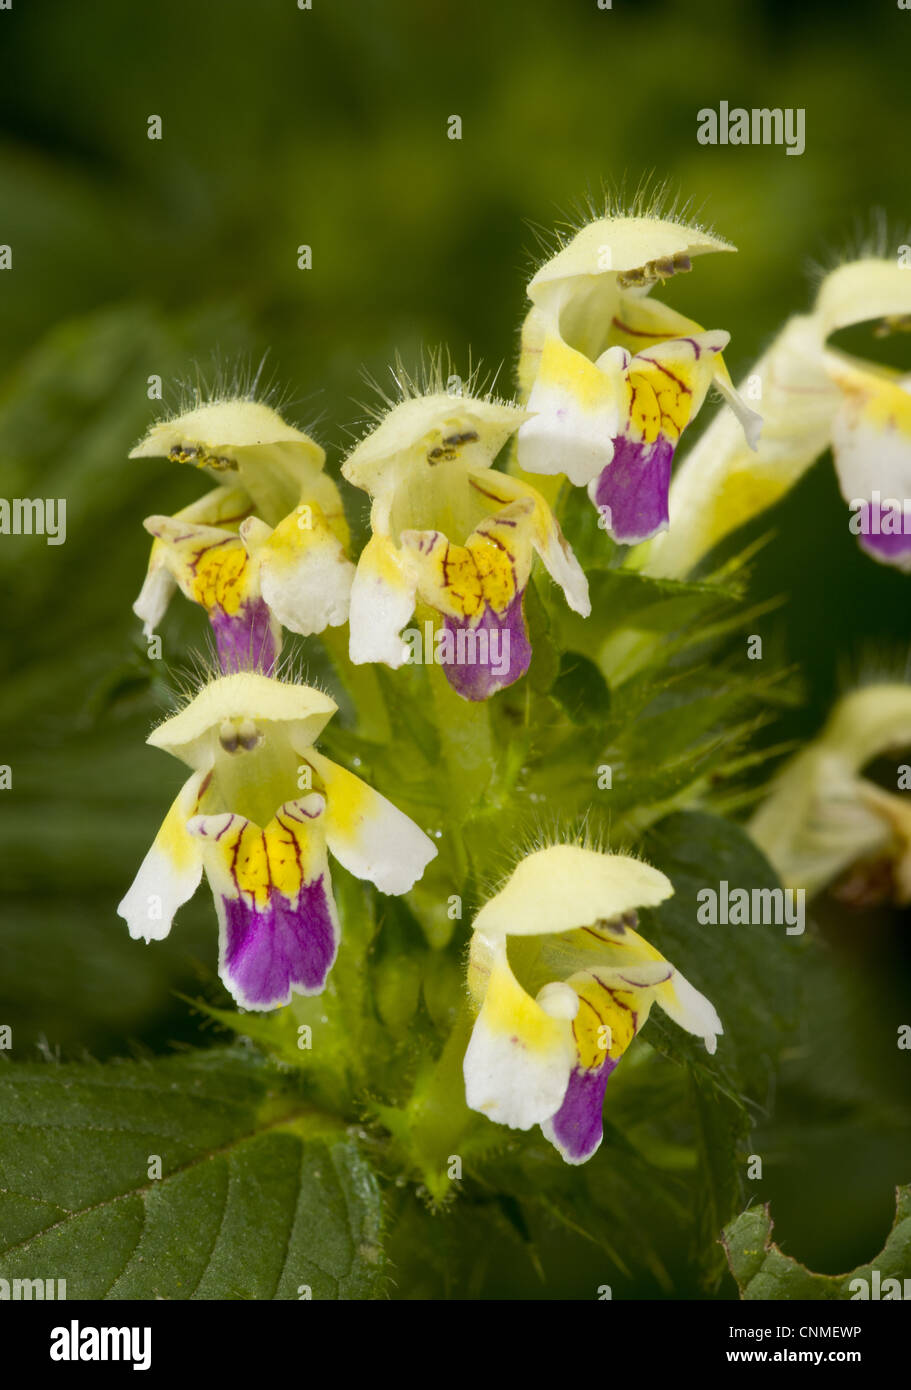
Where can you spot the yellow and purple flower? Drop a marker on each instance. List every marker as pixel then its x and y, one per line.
pixel 563 983
pixel 813 397
pixel 613 376
pixel 258 813
pixel 453 534
pixel 264 551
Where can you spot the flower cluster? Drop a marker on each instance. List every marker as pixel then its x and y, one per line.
pixel 559 980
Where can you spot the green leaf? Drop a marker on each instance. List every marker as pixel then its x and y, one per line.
pixel 722 1128
pixel 762 1270
pixel 621 1202
pixel 260 1196
pixel 581 689
pixel 749 972
pixel 79 694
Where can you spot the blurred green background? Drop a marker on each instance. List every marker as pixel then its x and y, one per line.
pixel 178 257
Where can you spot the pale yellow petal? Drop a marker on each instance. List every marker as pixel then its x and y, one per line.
pixel 191 735
pixel 565 886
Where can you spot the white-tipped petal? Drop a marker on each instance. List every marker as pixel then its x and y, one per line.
pixel 170 873
pixel 382 601
pixel 750 420
pixel 370 836
pixel 574 413
pixel 305 576
pixel 690 1009
pixel 518 1062
pixel 155 595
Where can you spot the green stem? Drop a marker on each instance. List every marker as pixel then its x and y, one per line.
pixel 362 684
pixel 439 1115
pixel 465 742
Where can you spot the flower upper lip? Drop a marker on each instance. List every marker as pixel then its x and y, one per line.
pixel 245 695
pixel 221 427
pixel 633 243
pixel 566 887
pixel 440 418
